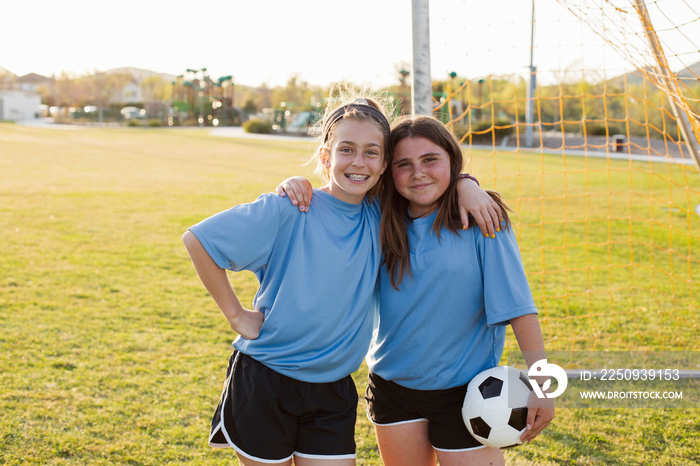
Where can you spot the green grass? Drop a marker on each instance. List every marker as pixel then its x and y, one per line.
pixel 111 351
pixel 605 237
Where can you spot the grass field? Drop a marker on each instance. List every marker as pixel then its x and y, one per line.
pixel 111 351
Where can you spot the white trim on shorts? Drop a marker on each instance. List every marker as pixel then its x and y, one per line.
pixel 326 457
pixel 261 460
pixel 412 421
pixel 239 450
pixel 395 423
pixel 426 420
pixel 458 450
pixel 222 427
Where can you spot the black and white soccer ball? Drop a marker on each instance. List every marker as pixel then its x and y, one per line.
pixel 495 407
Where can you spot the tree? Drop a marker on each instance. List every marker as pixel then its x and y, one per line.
pixel 249 106
pixel 103 87
pixel 296 92
pixel 264 96
pixel 67 90
pixel 7 79
pixel 156 91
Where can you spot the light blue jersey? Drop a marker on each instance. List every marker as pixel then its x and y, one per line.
pixel 318 276
pixel 446 323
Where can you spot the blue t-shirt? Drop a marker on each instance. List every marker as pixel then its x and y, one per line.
pixel 446 323
pixel 318 279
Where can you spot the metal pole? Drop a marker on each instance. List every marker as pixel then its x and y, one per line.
pixel 532 87
pixel 422 86
pixel 673 93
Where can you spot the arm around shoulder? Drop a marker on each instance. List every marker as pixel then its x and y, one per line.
pixel 299 191
pixel 479 204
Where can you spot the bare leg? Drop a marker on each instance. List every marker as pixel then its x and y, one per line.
pixel 405 444
pixel 482 456
pixel 301 461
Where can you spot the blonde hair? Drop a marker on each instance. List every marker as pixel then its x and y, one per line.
pixel 340 97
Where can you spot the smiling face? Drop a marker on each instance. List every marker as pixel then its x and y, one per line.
pixel 355 159
pixel 421 173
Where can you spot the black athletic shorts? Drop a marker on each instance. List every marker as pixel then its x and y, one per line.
pixel 389 403
pixel 267 416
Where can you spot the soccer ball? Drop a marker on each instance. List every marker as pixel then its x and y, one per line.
pixel 495 407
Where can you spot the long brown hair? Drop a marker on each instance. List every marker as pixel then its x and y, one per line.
pixel 395 216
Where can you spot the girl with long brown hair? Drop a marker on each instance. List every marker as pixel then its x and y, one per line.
pixel 446 296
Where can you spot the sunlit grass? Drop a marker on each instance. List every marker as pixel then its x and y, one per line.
pixel 111 351
pixel 605 237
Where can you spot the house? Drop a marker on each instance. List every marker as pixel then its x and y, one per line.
pixel 33 82
pixel 132 92
pixel 19 105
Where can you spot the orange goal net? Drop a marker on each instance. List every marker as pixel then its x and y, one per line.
pixel 593 140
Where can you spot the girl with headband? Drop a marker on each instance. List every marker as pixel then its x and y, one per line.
pixel 288 394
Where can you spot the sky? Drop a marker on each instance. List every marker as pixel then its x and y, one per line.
pixel 319 41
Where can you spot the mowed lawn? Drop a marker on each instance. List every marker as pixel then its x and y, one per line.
pixel 112 352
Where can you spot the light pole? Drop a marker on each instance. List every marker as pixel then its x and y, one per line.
pixel 421 92
pixel 404 92
pixel 480 98
pixel 532 87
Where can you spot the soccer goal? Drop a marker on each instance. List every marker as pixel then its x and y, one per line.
pixel 586 116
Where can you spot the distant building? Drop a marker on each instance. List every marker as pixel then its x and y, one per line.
pixel 133 93
pixel 33 82
pixel 129 94
pixel 7 78
pixel 19 105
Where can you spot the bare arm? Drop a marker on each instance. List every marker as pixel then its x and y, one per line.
pixel 472 200
pixel 243 321
pixel 529 335
pixel 477 202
